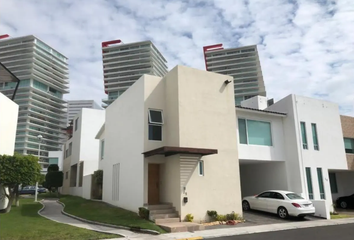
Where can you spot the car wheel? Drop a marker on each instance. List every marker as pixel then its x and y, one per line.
pixel 246 206
pixel 282 212
pixel 343 204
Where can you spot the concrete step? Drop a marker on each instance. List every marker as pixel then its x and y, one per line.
pixel 166 220
pixel 161 211
pixel 164 215
pixel 159 206
pixel 181 227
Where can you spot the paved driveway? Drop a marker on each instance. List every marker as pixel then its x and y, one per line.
pixel 260 218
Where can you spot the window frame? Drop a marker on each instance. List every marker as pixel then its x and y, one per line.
pixel 247 135
pixel 150 119
pixel 309 182
pixel 102 149
pixel 321 184
pixel 201 168
pixel 304 145
pixel 315 137
pixel 351 151
pixel 152 124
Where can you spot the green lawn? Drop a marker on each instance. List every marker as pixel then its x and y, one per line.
pixel 102 212
pixel 339 216
pixel 24 223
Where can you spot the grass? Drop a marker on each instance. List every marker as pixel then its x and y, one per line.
pixel 339 216
pixel 104 213
pixel 24 223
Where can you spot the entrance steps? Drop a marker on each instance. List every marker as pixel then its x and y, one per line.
pixel 166 216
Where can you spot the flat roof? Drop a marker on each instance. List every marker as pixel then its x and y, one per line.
pixel 263 111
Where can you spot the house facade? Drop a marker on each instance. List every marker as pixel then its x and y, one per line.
pixel 81 153
pixel 179 140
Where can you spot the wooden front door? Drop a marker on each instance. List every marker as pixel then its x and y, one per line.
pixel 153 184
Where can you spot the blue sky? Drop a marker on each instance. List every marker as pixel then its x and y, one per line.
pixel 306 46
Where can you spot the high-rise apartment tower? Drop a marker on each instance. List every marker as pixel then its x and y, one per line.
pixel 43 74
pixel 123 64
pixel 242 64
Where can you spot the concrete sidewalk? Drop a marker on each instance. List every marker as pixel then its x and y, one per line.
pixel 225 232
pixel 52 210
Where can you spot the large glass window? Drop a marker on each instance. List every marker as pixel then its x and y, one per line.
pixel 333 182
pixel 303 135
pixel 309 182
pixel 320 183
pixel 349 145
pixel 314 136
pixel 242 131
pixel 40 86
pixel 255 132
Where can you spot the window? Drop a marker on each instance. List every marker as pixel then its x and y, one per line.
pixel 314 136
pixel 242 131
pixel 255 132
pixel 277 196
pixel 349 145
pixel 333 182
pixel 293 196
pixel 70 149
pixel 66 175
pixel 309 182
pixel 265 195
pixel 102 149
pixel 155 125
pixel 201 168
pixel 320 183
pixel 304 136
pixel 76 123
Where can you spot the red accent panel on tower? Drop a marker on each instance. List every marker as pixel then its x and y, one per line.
pixel 211 48
pixel 4 36
pixel 106 44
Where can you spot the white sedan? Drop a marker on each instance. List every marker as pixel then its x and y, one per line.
pixel 283 203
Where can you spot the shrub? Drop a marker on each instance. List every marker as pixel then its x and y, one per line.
pixel 189 217
pixel 232 216
pixel 212 214
pixel 221 218
pixel 144 213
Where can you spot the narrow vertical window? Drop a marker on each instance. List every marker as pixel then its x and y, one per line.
pixel 155 125
pixel 201 168
pixel 320 183
pixel 333 182
pixel 303 135
pixel 314 136
pixel 242 131
pixel 76 123
pixel 102 149
pixel 309 182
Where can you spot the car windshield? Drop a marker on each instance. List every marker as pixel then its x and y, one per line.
pixel 293 196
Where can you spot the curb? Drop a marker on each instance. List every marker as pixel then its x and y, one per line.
pixel 191 238
pixel 132 229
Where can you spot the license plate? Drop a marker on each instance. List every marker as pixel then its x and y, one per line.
pixel 307 205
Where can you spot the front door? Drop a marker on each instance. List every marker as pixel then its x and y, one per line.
pixel 153 184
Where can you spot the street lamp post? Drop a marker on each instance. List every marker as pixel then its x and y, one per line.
pixel 39 158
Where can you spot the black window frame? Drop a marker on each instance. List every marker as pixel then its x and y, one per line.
pixel 155 127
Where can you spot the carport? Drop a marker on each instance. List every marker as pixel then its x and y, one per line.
pixel 341 182
pixel 258 176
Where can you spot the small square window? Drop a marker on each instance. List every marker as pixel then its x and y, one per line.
pixel 155 132
pixel 155 117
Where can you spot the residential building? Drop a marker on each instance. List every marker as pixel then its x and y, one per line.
pixel 43 72
pixel 179 139
pixel 81 153
pixel 348 133
pixel 124 64
pixel 242 64
pixel 75 106
pixel 8 124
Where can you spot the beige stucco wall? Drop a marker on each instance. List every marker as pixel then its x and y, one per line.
pixel 206 119
pixel 66 182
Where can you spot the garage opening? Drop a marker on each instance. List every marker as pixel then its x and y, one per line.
pixel 342 185
pixel 259 176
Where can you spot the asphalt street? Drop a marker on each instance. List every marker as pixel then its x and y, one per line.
pixel 339 232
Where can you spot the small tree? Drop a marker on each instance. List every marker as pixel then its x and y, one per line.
pixel 54 178
pixel 98 176
pixel 15 170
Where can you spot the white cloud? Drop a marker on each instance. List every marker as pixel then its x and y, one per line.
pixel 305 46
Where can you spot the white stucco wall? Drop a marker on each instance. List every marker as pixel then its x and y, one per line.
pixel 59 155
pixel 276 152
pixel 124 144
pixel 8 125
pixel 86 186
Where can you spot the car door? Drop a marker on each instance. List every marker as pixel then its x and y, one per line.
pixel 261 201
pixel 274 202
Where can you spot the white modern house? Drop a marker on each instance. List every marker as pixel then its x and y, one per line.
pixel 179 143
pixel 81 152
